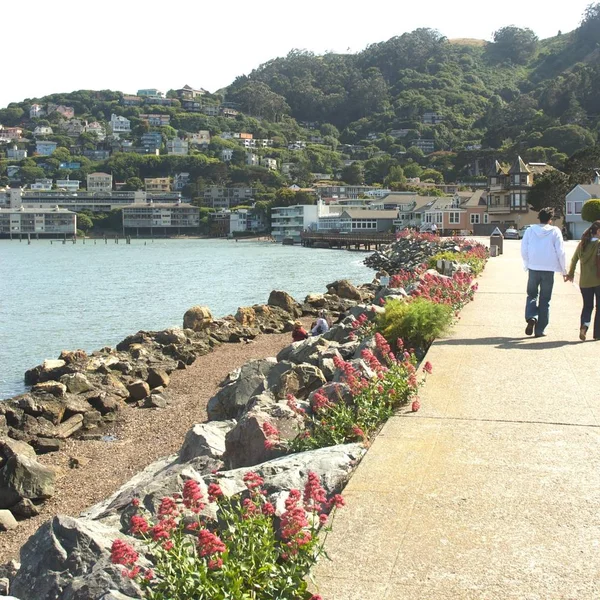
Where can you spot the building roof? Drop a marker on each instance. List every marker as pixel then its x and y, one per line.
pixel 476 198
pixel 591 188
pixel 98 173
pixel 496 169
pixel 518 166
pixel 539 168
pixel 22 209
pixel 361 213
pixel 157 205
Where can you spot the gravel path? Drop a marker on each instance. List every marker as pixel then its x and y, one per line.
pixel 142 436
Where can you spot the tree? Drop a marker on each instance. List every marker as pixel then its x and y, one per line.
pixel 581 167
pixel 353 174
pixel 591 211
pixel 514 44
pixel 567 138
pixel 433 175
pixel 84 222
pixel 133 184
pixel 412 169
pixel 395 178
pixel 550 189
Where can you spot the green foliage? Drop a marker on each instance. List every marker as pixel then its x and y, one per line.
pixel 476 263
pixel 84 222
pixel 417 322
pixel 514 44
pixel 550 189
pixel 591 211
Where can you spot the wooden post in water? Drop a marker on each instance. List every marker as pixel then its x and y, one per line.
pixel 29 239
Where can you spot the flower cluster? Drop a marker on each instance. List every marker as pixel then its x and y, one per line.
pixel 243 550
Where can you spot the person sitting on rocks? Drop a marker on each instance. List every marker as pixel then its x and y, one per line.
pixel 321 324
pixel 299 333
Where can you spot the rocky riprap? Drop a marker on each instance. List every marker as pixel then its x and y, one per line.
pixel 78 393
pixel 70 557
pixel 407 253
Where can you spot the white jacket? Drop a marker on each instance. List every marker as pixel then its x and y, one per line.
pixel 542 249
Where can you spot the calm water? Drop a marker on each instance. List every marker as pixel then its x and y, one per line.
pixel 55 297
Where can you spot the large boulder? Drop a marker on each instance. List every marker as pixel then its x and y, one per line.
pixel 229 402
pixel 157 378
pixel 10 447
pixel 50 387
pixel 76 383
pixel 246 316
pixel 246 441
pixel 285 301
pixel 344 289
pixel 205 439
pixel 305 351
pixel 138 390
pixel 24 477
pixel 298 380
pixel 197 318
pixel 7 521
pixel 49 369
pixel 69 558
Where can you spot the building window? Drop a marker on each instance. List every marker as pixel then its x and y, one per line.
pixel 569 208
pixel 486 218
pixel 454 218
pixel 475 218
pixel 578 206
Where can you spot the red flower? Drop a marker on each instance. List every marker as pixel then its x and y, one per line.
pixel 253 480
pixel 270 430
pixel 214 492
pixel 428 368
pixel 215 563
pixel 209 543
pixel 148 574
pixel 337 501
pixel 316 597
pixel 358 432
pixel 167 507
pixel 168 545
pixel 314 494
pixel 135 502
pixel 268 509
pixel 122 553
pixel 138 525
pixel 192 496
pixel 415 406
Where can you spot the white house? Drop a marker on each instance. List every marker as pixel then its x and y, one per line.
pixel 42 185
pixel 15 153
pixel 238 220
pixel 252 159
pixel 119 124
pixel 99 182
pixel 178 147
pixel 42 130
pixel 70 185
pixel 269 163
pixel 36 111
pixel 291 221
pixel 575 200
pixel 226 154
pixel 97 129
pixel 38 221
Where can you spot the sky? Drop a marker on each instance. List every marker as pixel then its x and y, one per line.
pixel 127 45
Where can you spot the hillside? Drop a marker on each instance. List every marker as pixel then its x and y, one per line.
pixel 416 105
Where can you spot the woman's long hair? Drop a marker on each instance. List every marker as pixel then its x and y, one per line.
pixel 589 233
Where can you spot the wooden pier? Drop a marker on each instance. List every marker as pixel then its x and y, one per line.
pixel 349 241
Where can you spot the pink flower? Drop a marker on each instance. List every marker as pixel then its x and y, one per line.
pixel 192 496
pixel 314 494
pixel 428 368
pixel 358 432
pixel 148 574
pixel 215 563
pixel 316 597
pixel 268 509
pixel 416 405
pixel 168 545
pixel 270 444
pixel 122 553
pixel 135 502
pixel 270 430
pixel 167 507
pixel 253 480
pixel 214 492
pixel 337 501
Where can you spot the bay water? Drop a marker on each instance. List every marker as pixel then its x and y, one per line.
pixel 59 296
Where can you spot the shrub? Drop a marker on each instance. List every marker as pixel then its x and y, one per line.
pixel 591 211
pixel 476 263
pixel 244 553
pixel 418 322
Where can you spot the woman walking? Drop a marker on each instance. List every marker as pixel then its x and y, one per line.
pixel 587 254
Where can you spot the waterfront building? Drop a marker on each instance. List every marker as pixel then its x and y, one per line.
pixel 158 218
pixel 220 197
pixel 15 219
pixel 291 221
pixel 69 185
pixel 41 185
pixel 99 182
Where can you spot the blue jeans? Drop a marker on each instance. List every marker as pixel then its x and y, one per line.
pixel 539 283
pixel 588 295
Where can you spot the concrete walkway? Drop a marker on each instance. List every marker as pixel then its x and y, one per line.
pixel 491 490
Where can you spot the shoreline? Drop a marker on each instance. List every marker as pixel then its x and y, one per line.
pixel 142 437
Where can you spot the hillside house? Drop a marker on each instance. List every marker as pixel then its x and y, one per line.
pixel 574 201
pixel 45 148
pixel 119 124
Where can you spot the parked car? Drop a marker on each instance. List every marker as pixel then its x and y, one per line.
pixel 511 234
pixel 523 230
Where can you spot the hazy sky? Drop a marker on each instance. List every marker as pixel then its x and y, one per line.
pixel 125 45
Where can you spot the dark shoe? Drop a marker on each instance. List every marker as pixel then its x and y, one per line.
pixel 541 334
pixel 530 325
pixel 582 332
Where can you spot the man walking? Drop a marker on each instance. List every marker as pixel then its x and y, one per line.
pixel 543 255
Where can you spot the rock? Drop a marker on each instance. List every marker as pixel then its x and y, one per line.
pixel 50 387
pixel 298 380
pixel 114 387
pixel 24 477
pixel 4 587
pixel 306 351
pixel 155 401
pixel 285 301
pixel 49 369
pixel 114 595
pixel 73 356
pixel 38 426
pixel 92 419
pixel 334 392
pixel 327 362
pixel 45 445
pixel 25 509
pixel 52 410
pixel 170 336
pixel 7 521
pixel 205 439
pixel 69 558
pixel 105 403
pixel 315 300
pixel 76 462
pixel 229 402
pixel 157 378
pixel 197 318
pixel 341 333
pixel 10 447
pixel 344 289
pixel 76 405
pixel 138 390
pixel 245 443
pixel 3 424
pixel 76 383
pixel 246 316
pixel 69 427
